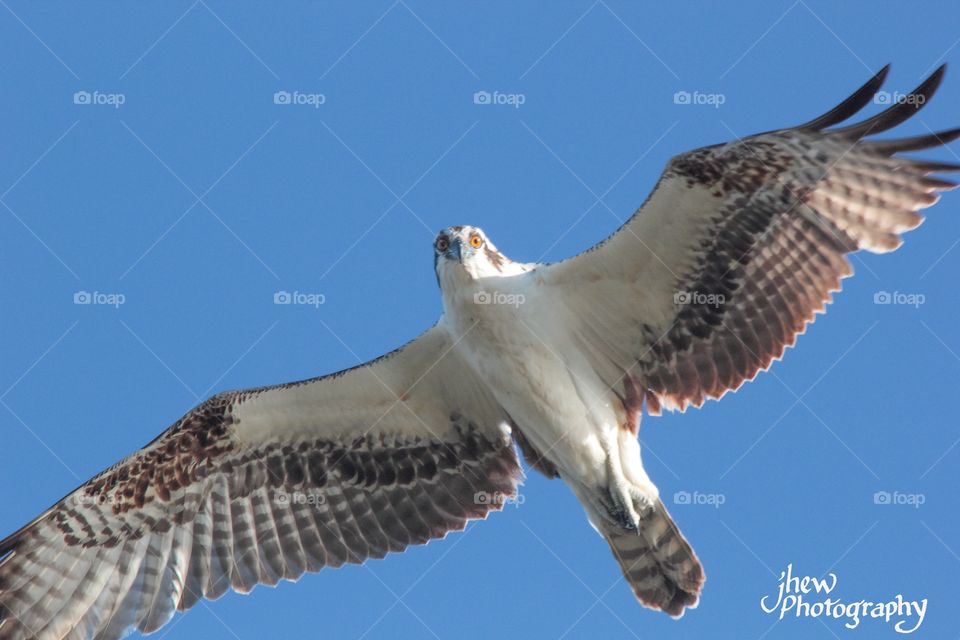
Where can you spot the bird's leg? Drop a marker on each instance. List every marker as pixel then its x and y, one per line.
pixel 618 498
pixel 629 491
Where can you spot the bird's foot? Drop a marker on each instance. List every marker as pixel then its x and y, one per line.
pixel 624 501
pixel 618 509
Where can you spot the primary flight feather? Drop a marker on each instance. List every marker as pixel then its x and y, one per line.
pixel 734 252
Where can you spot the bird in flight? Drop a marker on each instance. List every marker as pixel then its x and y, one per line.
pixel 737 249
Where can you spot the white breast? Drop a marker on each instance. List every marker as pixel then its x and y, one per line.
pixel 535 371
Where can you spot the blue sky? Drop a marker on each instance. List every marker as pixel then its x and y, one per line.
pixel 187 194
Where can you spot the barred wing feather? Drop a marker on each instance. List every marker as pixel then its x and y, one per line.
pixel 257 486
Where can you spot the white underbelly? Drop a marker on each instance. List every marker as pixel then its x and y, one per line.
pixel 559 403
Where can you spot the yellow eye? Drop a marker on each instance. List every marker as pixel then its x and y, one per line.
pixel 476 242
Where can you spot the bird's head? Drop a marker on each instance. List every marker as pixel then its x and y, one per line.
pixel 465 250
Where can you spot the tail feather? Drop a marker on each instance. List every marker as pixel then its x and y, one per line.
pixel 658 562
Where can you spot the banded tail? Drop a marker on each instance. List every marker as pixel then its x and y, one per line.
pixel 657 561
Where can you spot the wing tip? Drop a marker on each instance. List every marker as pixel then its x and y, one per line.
pixel 852 104
pixel 899 111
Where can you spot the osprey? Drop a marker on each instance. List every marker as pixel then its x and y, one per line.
pixel 738 247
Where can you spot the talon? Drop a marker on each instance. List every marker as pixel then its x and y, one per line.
pixel 618 505
pixel 618 499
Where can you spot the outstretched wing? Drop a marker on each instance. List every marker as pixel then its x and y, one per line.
pixel 740 245
pixel 260 485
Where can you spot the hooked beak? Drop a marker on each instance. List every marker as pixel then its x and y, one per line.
pixel 453 251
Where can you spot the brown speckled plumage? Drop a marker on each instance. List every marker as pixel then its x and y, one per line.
pixel 201 510
pixel 790 205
